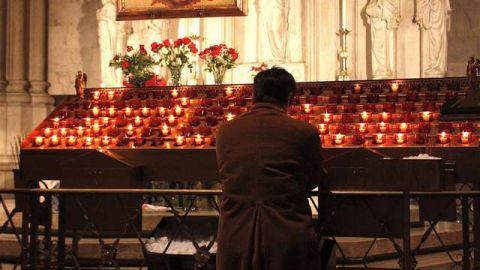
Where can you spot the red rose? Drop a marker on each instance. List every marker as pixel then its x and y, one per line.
pixel 129 48
pixel 154 46
pixel 125 64
pixel 232 51
pixel 234 56
pixel 142 49
pixel 216 52
pixel 186 40
pixel 177 43
pixel 167 43
pixel 193 48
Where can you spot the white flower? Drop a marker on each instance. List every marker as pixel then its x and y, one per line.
pixel 164 50
pixel 179 61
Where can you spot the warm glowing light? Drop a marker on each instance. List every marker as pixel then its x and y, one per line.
pixel 95 111
pixel 88 141
pixel 357 89
pixel 184 101
pixel 137 121
pixel 63 132
pixel 165 130
pixel 162 111
pixel 394 87
pixel 179 140
pixel 386 117
pixel 382 127
pixel 129 130
pixel 198 139
pixel 106 140
pixel 400 138
pixel 96 95
pixel 47 132
pixel 228 91
pixel 71 140
pixel 307 108
pixel 174 93
pixel 128 111
pixel 38 141
pixel 54 140
pixel 379 138
pixel 327 118
pixel 443 138
pixel 465 137
pixel 230 116
pixel 111 95
pixel 88 121
pixel 112 111
pixel 178 110
pixel 171 120
pixel 96 128
pixel 105 121
pixel 145 111
pixel 80 131
pixel 404 127
pixel 56 122
pixel 427 116
pixel 365 116
pixel 338 139
pixel 362 127
pixel 322 129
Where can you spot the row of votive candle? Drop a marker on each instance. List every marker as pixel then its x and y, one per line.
pixel 174 93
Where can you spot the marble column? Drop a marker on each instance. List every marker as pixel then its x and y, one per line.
pixel 3 37
pixel 16 49
pixel 41 100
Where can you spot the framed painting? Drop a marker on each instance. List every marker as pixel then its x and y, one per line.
pixel 165 9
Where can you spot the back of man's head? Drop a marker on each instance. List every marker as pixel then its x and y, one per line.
pixel 275 85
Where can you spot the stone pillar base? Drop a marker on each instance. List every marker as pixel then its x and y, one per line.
pixel 39 87
pixel 18 98
pixel 17 86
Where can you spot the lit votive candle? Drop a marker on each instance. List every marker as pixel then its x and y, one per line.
pixel 80 131
pixel 400 138
pixel 228 91
pixel 47 132
pixel 63 132
pixel 96 128
pixel 466 137
pixel 338 139
pixel 322 129
pixel 105 121
pixel 179 140
pixel 137 121
pixel 56 122
pixel 171 120
pixel 307 108
pixel 198 139
pixel 71 140
pixel 394 87
pixel 95 111
pixel 443 138
pixel 357 89
pixel 230 116
pixel 87 121
pixel 54 140
pixel 327 118
pixel 365 116
pixel 165 130
pixel 362 128
pixel 379 138
pixel 178 110
pixel 174 93
pixel 106 140
pixel 162 111
pixel 128 111
pixel 112 111
pixel 145 111
pixel 427 116
pixel 184 102
pixel 383 127
pixel 111 95
pixel 96 95
pixel 38 141
pixel 88 141
pixel 386 117
pixel 129 131
pixel 404 127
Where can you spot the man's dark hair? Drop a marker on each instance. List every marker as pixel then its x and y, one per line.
pixel 273 86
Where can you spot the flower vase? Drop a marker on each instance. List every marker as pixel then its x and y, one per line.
pixel 175 75
pixel 219 75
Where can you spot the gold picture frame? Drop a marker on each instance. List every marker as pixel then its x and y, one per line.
pixel 166 9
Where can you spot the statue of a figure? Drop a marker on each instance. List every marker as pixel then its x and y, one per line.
pixel 107 35
pixel 80 84
pixel 433 16
pixel 384 18
pixel 273 29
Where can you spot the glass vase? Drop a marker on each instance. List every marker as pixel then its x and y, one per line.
pixel 219 75
pixel 175 75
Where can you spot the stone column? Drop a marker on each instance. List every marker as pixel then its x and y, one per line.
pixel 41 100
pixel 3 38
pixel 17 75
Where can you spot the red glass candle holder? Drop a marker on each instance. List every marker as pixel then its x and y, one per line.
pixel 174 93
pixel 403 127
pixel 386 117
pixel 400 138
pixel 178 111
pixel 394 87
pixel 426 116
pixel 361 128
pixel 166 130
pixel 357 89
pixel 71 141
pixel 54 140
pixel 358 139
pixel 172 120
pixel 106 140
pixel 349 108
pixel 185 102
pixel 230 117
pixel 365 117
pixel 323 129
pixel 38 141
pixel 379 138
pixel 95 112
pixel 307 108
pixel 47 132
pixel 443 138
pixel 198 140
pixel 383 127
pixel 465 137
pixel 180 141
pixel 96 95
pixel 338 139
pixel 326 118
pixel 228 92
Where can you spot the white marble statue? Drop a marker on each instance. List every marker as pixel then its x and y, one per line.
pixel 384 18
pixel 107 37
pixel 273 29
pixel 433 17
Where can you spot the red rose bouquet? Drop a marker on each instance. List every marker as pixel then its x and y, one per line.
pixel 257 69
pixel 136 65
pixel 219 59
pixel 175 55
